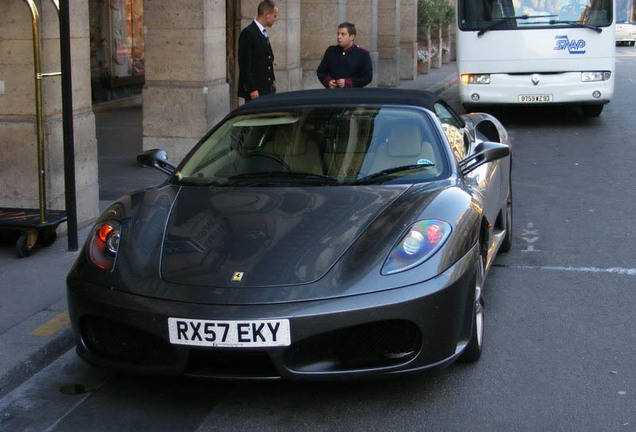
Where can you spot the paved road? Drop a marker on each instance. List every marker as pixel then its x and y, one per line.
pixel 560 339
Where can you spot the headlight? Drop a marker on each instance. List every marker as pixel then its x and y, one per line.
pixel 595 76
pixel 419 243
pixel 476 79
pixel 104 244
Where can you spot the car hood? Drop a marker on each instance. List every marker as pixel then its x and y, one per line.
pixel 263 236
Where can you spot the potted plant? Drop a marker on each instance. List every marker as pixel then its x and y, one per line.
pixel 423 64
pixel 426 16
pixel 434 18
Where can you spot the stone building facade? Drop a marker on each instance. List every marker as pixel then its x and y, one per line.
pixel 190 73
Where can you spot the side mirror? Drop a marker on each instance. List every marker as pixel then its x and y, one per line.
pixel 157 158
pixel 484 152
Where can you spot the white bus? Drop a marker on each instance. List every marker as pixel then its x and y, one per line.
pixel 625 28
pixel 542 52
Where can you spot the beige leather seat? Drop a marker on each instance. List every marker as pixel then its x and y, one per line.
pixel 299 150
pixel 347 156
pixel 304 156
pixel 403 146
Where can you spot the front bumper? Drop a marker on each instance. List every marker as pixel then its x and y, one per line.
pixel 625 33
pixel 565 88
pixel 423 326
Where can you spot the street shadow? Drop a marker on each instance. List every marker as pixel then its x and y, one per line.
pixel 531 116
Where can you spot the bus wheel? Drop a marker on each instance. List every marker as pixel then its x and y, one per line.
pixel 592 110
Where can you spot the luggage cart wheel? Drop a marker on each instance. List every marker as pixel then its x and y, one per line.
pixel 25 243
pixel 47 237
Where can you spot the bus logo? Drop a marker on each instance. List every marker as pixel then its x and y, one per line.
pixel 573 46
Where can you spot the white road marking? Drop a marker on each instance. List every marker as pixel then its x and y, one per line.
pixel 529 236
pixel 611 270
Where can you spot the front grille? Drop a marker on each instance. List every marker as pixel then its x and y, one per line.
pixel 378 344
pixel 532 73
pixel 118 342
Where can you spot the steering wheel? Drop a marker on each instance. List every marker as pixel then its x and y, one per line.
pixel 260 161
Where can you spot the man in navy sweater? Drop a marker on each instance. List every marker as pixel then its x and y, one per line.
pixel 345 65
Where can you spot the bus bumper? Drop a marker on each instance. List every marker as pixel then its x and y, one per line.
pixel 537 89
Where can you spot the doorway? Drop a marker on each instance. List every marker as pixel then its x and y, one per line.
pixel 232 32
pixel 117 48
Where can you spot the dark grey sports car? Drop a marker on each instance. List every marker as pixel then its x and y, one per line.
pixel 312 234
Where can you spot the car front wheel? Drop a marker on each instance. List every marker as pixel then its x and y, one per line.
pixel 506 245
pixel 472 352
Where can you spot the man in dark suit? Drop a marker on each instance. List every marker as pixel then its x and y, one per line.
pixel 256 58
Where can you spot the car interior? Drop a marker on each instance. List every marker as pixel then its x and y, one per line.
pixel 345 144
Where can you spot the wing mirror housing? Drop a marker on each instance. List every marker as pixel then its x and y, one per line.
pixel 158 159
pixel 485 152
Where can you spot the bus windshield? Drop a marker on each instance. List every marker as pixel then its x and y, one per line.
pixel 624 11
pixel 487 15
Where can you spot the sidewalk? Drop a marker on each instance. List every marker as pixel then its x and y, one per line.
pixel 34 324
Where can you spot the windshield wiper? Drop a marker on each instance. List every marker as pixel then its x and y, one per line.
pixel 196 181
pixel 597 29
pixel 495 24
pixel 264 177
pixel 371 177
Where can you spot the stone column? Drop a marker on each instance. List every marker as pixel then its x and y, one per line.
pixel 285 39
pixel 408 39
pixel 364 14
pixel 389 43
pixel 186 91
pixel 18 154
pixel 319 23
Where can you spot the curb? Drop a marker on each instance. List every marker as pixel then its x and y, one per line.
pixel 132 101
pixel 444 85
pixel 28 353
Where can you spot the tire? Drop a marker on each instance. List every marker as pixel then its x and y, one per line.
pixel 22 246
pixel 506 245
pixel 47 237
pixel 592 110
pixel 472 352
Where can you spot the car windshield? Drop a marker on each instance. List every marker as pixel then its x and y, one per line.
pixel 486 15
pixel 319 146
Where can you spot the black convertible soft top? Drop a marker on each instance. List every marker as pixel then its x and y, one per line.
pixel 346 97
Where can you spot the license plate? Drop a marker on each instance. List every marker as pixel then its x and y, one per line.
pixel 535 98
pixel 248 333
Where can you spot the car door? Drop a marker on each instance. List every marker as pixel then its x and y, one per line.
pixel 486 179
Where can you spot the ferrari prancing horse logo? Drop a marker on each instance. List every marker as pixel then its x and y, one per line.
pixel 237 276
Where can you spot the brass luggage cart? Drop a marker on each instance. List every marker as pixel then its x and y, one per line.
pixel 37 226
pixel 33 229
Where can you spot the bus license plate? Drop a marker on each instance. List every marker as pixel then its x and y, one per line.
pixel 535 98
pixel 247 333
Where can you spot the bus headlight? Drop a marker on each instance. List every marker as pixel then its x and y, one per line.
pixel 595 76
pixel 475 78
